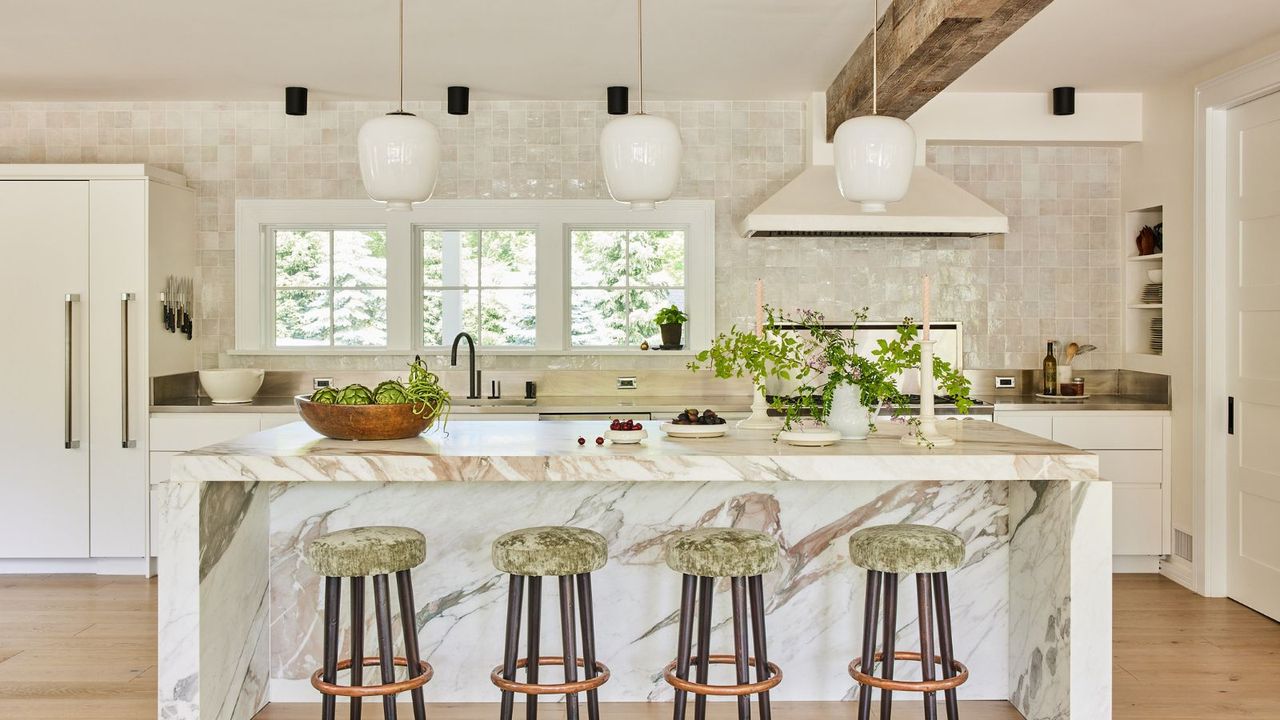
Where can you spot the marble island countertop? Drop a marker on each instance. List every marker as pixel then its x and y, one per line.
pixel 473 451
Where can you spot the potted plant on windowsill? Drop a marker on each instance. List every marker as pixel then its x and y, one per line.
pixel 671 321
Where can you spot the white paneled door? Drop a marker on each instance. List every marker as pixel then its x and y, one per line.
pixel 1253 353
pixel 44 429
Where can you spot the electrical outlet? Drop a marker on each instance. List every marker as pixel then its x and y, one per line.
pixel 627 383
pixel 317 383
pixel 1006 381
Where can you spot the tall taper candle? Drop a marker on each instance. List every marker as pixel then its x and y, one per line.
pixel 759 306
pixel 925 334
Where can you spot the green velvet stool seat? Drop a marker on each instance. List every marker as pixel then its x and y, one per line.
pixel 569 554
pixel 701 556
pixel 885 552
pixel 357 553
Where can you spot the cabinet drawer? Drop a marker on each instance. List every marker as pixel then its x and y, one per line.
pixel 1093 432
pixel 180 432
pixel 1131 466
pixel 1039 425
pixel 1136 520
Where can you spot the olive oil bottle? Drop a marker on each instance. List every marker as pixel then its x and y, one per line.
pixel 1050 381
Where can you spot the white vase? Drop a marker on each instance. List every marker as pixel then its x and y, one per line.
pixel 848 415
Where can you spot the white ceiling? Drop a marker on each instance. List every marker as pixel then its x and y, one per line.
pixel 346 49
pixel 564 49
pixel 1119 45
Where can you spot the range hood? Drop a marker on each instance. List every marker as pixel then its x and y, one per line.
pixel 812 206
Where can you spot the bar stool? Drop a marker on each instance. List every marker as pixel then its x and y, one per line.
pixel 357 553
pixel 887 551
pixel 570 554
pixel 701 556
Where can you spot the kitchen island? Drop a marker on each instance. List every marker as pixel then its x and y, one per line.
pixel 240 611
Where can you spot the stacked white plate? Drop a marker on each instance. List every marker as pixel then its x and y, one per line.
pixel 1153 293
pixel 1157 335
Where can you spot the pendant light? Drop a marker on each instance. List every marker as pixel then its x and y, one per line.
pixel 874 154
pixel 641 153
pixel 399 152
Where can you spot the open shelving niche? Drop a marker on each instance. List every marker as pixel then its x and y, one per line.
pixel 1137 314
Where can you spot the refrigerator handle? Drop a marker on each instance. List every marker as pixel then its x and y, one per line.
pixel 125 440
pixel 68 392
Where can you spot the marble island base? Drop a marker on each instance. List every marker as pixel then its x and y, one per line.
pixel 240 611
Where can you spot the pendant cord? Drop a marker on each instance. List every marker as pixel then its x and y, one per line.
pixel 875 52
pixel 401 38
pixel 640 48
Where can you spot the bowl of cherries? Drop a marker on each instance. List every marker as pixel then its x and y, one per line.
pixel 626 432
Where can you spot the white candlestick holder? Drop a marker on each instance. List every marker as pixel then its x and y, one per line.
pixel 927 432
pixel 760 419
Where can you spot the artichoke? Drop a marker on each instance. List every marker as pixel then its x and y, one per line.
pixel 325 396
pixel 355 395
pixel 391 392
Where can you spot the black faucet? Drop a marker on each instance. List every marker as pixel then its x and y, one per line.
pixel 473 375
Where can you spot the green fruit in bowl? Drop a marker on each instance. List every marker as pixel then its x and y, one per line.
pixel 355 395
pixel 325 396
pixel 391 392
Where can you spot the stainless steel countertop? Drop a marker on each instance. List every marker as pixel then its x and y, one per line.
pixel 544 405
pixel 1095 402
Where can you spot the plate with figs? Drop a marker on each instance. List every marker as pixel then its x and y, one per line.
pixel 694 424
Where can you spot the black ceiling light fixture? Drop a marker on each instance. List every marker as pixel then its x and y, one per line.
pixel 1064 100
pixel 459 99
pixel 295 100
pixel 618 103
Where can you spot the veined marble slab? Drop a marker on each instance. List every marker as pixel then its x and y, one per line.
pixel 240 611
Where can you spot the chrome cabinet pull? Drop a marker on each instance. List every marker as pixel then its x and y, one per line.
pixel 125 440
pixel 68 442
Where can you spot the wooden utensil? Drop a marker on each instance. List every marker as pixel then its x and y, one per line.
pixel 1072 350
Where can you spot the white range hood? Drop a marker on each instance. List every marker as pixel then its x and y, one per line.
pixel 811 204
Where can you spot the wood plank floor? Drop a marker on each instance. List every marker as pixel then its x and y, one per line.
pixel 84 647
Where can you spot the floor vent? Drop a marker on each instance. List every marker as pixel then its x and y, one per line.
pixel 1182 545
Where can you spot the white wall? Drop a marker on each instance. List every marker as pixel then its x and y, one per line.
pixel 1159 171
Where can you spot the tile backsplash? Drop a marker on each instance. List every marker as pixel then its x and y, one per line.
pixel 1055 275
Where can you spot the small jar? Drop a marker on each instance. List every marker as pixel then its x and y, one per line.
pixel 1075 388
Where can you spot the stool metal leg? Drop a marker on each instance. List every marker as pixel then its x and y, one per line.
pixel 569 645
pixel 535 630
pixel 942 599
pixel 386 650
pixel 890 638
pixel 706 586
pixel 756 587
pixel 357 641
pixel 332 601
pixel 870 615
pixel 738 590
pixel 926 643
pixel 688 590
pixel 586 615
pixel 511 649
pixel 409 626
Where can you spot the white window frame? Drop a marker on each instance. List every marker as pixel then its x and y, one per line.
pixel 553 221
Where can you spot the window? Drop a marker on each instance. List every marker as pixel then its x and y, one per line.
pixel 521 276
pixel 482 281
pixel 619 280
pixel 330 288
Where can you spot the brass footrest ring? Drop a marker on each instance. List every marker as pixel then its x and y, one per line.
pixel 962 675
pixel 413 683
pixel 578 686
pixel 669 673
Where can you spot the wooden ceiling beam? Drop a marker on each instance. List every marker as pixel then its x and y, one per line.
pixel 924 46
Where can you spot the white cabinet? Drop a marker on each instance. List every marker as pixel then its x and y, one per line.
pixel 1133 454
pixel 84 246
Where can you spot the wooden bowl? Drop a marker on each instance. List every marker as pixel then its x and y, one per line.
pixel 362 422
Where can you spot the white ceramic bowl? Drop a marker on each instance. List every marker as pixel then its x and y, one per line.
pixel 1155 275
pixel 232 385
pixel 626 437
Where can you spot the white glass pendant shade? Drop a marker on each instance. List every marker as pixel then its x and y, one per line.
pixel 399 159
pixel 874 157
pixel 641 156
